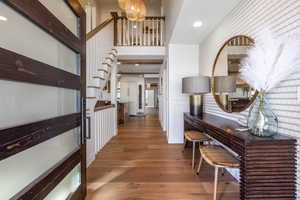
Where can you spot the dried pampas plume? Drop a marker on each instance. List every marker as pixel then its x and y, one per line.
pixel 270 61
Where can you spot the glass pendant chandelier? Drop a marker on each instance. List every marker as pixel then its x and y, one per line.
pixel 135 10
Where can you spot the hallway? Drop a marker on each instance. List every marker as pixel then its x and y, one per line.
pixel 138 164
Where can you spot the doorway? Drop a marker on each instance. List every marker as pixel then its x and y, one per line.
pixel 150 98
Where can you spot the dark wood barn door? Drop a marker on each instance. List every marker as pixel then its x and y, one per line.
pixel 42 100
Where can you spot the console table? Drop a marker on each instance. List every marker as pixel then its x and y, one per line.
pixel 268 165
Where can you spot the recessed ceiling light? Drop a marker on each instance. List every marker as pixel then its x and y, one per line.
pixel 119 63
pixel 137 65
pixel 2 18
pixel 197 24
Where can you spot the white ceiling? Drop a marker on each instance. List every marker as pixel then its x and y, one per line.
pixel 210 12
pixel 139 69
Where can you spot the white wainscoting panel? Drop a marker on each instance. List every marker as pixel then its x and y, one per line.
pixel 250 17
pixel 104 128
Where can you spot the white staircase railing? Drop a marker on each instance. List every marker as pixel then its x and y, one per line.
pixel 101 66
pixel 149 32
pixel 101 58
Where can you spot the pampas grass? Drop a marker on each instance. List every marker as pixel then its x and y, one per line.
pixel 270 61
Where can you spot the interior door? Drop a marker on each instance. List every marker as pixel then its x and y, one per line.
pixel 42 103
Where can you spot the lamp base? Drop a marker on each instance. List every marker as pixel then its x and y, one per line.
pixel 196 105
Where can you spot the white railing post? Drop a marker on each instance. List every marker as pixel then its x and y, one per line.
pixel 145 33
pixel 157 33
pixel 149 32
pixel 153 30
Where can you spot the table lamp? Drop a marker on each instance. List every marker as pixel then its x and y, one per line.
pixel 224 84
pixel 196 86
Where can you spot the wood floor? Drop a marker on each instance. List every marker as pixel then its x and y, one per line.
pixel 138 164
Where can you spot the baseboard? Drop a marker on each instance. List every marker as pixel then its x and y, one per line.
pixel 174 141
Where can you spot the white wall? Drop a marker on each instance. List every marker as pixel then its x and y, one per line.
pixel 129 93
pixel 162 96
pixel 249 18
pixel 183 61
pixel 171 9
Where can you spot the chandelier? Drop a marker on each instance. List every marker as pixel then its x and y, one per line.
pixel 134 9
pixel 122 4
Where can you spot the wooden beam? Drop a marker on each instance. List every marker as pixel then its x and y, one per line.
pixel 20 68
pixel 141 61
pixel 42 17
pixel 17 139
pixel 44 184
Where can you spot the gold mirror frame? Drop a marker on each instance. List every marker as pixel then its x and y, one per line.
pixel 216 97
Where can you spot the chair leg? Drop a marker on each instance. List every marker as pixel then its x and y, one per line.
pixel 184 145
pixel 200 164
pixel 193 161
pixel 216 183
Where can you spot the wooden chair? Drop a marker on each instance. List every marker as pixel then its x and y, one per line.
pixel 218 157
pixel 194 137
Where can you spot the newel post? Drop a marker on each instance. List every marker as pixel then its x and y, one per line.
pixel 115 18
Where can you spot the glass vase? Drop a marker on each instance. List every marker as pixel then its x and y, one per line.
pixel 262 121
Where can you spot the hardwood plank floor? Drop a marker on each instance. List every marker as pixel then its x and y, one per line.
pixel 139 164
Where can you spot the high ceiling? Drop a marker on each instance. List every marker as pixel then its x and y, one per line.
pixel 210 12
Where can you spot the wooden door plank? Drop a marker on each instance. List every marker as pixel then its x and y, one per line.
pixel 41 16
pixel 16 67
pixel 44 184
pixel 18 139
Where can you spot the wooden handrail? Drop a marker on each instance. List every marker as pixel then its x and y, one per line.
pixel 147 17
pixel 98 28
pixel 103 107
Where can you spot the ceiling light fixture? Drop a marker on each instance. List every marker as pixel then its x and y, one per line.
pixel 122 4
pixel 2 18
pixel 197 24
pixel 137 65
pixel 135 10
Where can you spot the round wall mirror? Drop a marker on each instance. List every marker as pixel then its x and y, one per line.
pixel 231 93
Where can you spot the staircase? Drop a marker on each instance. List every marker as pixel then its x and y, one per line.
pixel 104 44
